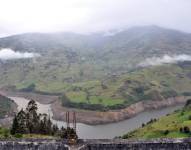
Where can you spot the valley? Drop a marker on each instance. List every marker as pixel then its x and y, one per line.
pixel 101 131
pixel 100 77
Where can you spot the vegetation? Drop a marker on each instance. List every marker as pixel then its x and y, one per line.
pixel 175 125
pixel 6 106
pixel 28 122
pixel 96 71
pixel 154 83
pixel 4 133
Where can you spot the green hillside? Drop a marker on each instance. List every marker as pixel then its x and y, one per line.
pixel 6 106
pixel 96 71
pixel 115 91
pixel 154 83
pixel 175 125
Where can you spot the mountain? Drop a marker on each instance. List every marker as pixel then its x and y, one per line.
pixel 115 53
pixel 96 68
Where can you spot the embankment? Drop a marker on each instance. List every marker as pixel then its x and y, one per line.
pixel 96 117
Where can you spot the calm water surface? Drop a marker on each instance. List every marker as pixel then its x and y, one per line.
pixel 103 131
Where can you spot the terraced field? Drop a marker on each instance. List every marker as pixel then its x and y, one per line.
pixel 99 72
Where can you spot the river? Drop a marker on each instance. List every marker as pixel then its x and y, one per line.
pixel 107 130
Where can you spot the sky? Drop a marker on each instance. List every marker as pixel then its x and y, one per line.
pixel 86 16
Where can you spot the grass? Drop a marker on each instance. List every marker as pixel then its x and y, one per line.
pixel 105 101
pixel 77 97
pixel 171 123
pixel 153 83
pixel 38 136
pixel 5 134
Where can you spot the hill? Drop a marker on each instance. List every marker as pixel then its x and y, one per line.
pixel 96 69
pixel 7 107
pixel 175 125
pixel 153 83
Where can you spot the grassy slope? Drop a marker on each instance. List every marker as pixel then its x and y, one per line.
pixel 146 84
pixel 5 133
pixel 6 106
pixel 152 83
pixel 172 123
pixel 80 65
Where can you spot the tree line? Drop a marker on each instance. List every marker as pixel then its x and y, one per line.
pixel 28 121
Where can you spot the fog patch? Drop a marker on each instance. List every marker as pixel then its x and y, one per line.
pixel 166 59
pixel 9 54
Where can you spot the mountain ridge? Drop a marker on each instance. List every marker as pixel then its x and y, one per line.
pixel 80 66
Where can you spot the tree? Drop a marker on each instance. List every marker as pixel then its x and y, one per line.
pixel 49 126
pixel 32 117
pixel 55 129
pixel 29 121
pixel 22 122
pixel 15 126
pixel 166 132
pixel 186 129
pixel 181 129
pixel 21 117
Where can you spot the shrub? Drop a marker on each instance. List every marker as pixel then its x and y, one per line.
pixel 29 88
pixel 182 113
pixel 169 93
pixel 188 103
pixel 6 133
pixel 166 132
pixel 18 135
pixel 186 129
pixel 181 129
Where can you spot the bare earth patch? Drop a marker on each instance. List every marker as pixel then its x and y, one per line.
pixel 96 117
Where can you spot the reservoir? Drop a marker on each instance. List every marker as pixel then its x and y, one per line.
pixel 105 131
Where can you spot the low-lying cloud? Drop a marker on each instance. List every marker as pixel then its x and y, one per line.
pixel 8 54
pixel 166 59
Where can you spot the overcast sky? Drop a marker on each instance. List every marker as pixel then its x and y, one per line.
pixel 18 16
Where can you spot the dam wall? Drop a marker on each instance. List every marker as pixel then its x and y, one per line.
pixel 34 144
pixel 157 144
pixel 161 144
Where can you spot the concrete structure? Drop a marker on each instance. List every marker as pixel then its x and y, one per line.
pixel 38 144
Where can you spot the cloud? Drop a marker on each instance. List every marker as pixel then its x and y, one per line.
pixel 8 54
pixel 91 15
pixel 166 59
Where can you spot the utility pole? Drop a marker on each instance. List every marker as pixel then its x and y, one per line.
pixel 74 121
pixel 67 119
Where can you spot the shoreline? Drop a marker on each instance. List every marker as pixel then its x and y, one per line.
pixel 97 117
pixel 113 116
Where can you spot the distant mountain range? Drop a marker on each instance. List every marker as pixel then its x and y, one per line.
pixel 74 63
pixel 121 50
